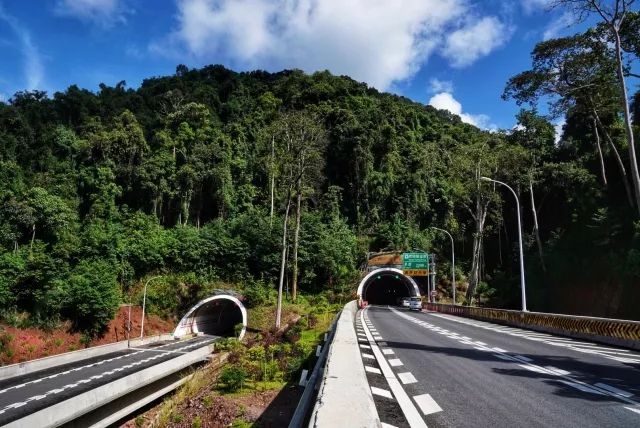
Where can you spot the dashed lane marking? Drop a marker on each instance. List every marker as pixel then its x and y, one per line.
pixel 406 405
pixel 427 404
pixel 381 392
pixel 369 356
pixel 635 409
pixel 365 346
pixel 372 370
pixel 407 378
pixel 527 364
pixel 395 362
pixel 614 390
pixel 388 351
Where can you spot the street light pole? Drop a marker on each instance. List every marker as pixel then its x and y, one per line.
pixel 522 285
pixel 453 263
pixel 144 303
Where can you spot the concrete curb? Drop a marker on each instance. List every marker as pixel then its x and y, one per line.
pixel 345 398
pixel 78 405
pixel 20 369
pixel 622 333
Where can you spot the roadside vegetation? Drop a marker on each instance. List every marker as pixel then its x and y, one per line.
pixel 255 382
pixel 256 181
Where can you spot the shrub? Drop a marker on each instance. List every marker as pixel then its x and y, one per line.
pixel 91 297
pixel 197 422
pixel 233 378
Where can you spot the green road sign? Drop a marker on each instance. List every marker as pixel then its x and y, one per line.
pixel 415 261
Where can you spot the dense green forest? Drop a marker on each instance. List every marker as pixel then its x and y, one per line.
pixel 202 176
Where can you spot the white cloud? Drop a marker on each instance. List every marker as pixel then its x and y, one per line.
pixel 436 85
pixel 102 12
pixel 376 41
pixel 446 101
pixel 558 25
pixel 531 6
pixel 476 40
pixel 33 69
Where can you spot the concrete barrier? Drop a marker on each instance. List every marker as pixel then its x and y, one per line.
pixel 20 369
pixel 68 410
pixel 615 332
pixel 344 398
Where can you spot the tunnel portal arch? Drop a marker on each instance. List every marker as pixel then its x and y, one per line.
pixel 216 315
pixel 385 285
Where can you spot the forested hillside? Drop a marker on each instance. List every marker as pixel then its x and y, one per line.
pixel 192 176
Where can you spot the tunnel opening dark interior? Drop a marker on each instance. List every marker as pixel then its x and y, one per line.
pixel 386 289
pixel 218 318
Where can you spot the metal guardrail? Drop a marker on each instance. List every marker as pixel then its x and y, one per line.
pixel 611 331
pixel 313 382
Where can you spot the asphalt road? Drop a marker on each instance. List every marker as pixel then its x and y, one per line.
pixel 23 395
pixel 457 372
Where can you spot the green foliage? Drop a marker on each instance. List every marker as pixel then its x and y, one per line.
pixel 232 378
pixel 91 296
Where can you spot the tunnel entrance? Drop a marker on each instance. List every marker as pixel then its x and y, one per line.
pixel 386 286
pixel 216 315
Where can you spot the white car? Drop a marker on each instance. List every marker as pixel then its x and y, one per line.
pixel 403 302
pixel 415 304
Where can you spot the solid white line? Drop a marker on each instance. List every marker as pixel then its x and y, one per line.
pixel 581 387
pixel 382 392
pixel 408 408
pixel 372 370
pixel 633 409
pixel 557 370
pixel 520 357
pixel 388 351
pixel 427 404
pixel 614 390
pixel 406 378
pixel 395 362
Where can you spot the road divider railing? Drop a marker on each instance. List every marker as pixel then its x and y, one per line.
pixel 20 369
pixel 344 398
pixel 616 332
pixel 311 382
pixel 72 408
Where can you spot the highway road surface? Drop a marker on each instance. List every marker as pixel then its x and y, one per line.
pixel 23 395
pixel 437 370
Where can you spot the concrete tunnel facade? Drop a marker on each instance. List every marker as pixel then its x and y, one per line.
pixel 216 315
pixel 384 286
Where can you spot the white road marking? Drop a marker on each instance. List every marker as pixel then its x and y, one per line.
pixel 383 425
pixel 381 392
pixel 568 380
pixel 369 356
pixel 614 390
pixel 406 405
pixel 372 370
pixel 557 370
pixel 382 343
pixel 581 387
pixel 395 362
pixel 564 342
pixel 406 378
pixel 365 346
pixel 633 409
pixel 499 350
pixel 427 404
pixel 388 351
pixel 522 358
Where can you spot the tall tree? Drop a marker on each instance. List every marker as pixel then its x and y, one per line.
pixel 613 15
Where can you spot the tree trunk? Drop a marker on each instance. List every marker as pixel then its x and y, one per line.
pixel 273 180
pixel 599 147
pixel 535 224
pixel 284 259
pixel 635 175
pixel 623 170
pixel 294 285
pixel 33 237
pixel 474 277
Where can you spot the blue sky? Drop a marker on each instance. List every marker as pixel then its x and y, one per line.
pixel 454 54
